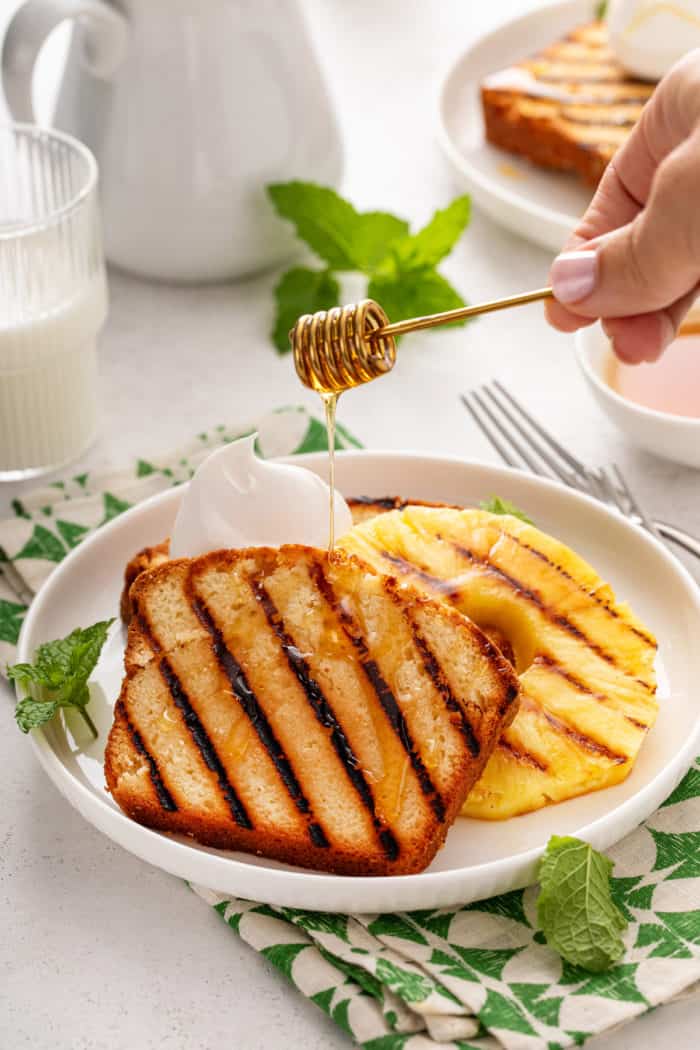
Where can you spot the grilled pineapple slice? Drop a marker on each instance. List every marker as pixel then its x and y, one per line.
pixel 586 664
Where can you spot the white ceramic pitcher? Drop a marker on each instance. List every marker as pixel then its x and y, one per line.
pixel 191 107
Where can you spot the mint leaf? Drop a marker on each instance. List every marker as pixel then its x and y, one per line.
pixel 436 240
pixel 343 237
pixel 496 505
pixel 575 909
pixel 375 234
pixel 58 676
pixel 301 291
pixel 413 293
pixel 601 10
pixel 31 713
pixel 22 673
pixel 63 665
pixel 321 217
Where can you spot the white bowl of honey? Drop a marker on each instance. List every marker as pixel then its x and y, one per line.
pixel 656 405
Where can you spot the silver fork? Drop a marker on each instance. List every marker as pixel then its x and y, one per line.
pixel 522 442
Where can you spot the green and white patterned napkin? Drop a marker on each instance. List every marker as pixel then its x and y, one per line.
pixel 476 977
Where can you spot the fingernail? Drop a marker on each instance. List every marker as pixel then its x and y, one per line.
pixel 574 275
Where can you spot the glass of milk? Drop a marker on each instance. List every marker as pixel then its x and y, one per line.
pixel 53 299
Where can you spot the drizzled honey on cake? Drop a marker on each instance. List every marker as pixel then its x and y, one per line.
pixel 569 107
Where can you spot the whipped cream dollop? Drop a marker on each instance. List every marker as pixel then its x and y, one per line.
pixel 236 499
pixel 648 36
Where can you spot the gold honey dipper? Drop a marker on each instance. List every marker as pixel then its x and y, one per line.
pixel 338 349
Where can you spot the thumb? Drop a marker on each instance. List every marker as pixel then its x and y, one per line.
pixel 648 264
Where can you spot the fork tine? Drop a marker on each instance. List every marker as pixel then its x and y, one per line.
pixel 520 449
pixel 15 582
pixel 608 485
pixel 608 491
pixel 530 440
pixel 555 445
pixel 489 432
pixel 634 503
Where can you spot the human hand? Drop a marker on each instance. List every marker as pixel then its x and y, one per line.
pixel 634 259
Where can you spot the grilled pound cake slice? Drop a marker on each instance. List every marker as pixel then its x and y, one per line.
pixel 585 662
pixel 301 706
pixel 145 559
pixel 568 108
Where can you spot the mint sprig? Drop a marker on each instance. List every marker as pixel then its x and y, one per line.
pixel 58 676
pixel 400 266
pixel 575 909
pixel 496 505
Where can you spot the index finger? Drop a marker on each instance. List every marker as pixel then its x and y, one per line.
pixel 665 122
pixel 615 203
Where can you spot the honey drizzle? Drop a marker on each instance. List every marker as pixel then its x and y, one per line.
pixel 330 403
pixel 333 352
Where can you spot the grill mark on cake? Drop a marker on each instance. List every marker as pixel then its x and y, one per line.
pixel 194 725
pixel 317 835
pixel 166 800
pixel 250 704
pixel 439 680
pixel 572 98
pixel 521 755
pixel 586 743
pixel 607 137
pixel 382 690
pixel 573 52
pixel 325 716
pixel 595 121
pixel 608 77
pixel 385 502
pixel 203 742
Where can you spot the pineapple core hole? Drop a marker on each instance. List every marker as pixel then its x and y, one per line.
pixel 516 648
pixel 507 625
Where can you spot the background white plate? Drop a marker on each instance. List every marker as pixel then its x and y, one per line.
pixel 538 204
pixel 479 858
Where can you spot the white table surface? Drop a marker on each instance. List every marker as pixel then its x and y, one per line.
pixel 98 950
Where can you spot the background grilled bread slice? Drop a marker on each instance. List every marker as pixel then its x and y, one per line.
pixel 569 108
pixel 586 663
pixel 299 705
pixel 145 559
pixel 361 507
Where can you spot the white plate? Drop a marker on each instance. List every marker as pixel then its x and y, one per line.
pixel 541 205
pixel 479 858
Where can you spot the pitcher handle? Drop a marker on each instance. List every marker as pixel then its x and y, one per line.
pixel 105 43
